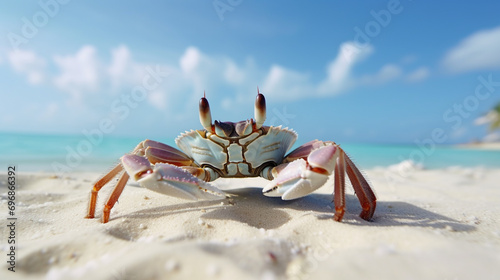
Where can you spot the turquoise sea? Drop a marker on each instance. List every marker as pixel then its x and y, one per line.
pixel 52 153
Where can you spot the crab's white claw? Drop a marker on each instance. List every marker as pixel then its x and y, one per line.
pixel 324 158
pixel 295 181
pixel 169 179
pixel 299 178
pixel 136 166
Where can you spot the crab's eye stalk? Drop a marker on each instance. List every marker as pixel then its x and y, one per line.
pixel 205 115
pixel 260 110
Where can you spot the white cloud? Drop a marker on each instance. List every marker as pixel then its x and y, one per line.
pixel 281 82
pixel 27 62
pixel 479 51
pixel 491 116
pixel 284 83
pixel 2 53
pixel 409 59
pixel 95 84
pixel 458 133
pixel 235 82
pixel 123 70
pixel 79 72
pixel 50 111
pixel 190 60
pixel 492 137
pixel 387 73
pixel 234 74
pixel 119 63
pixel 198 72
pixel 418 75
pixel 339 70
pixel 158 99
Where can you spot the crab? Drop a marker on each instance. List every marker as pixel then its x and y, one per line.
pixel 237 150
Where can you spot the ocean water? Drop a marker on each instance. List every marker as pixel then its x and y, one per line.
pixel 56 153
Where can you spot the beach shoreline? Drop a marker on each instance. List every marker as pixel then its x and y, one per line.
pixel 432 224
pixel 480 146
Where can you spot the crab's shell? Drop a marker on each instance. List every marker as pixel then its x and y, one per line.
pixel 241 156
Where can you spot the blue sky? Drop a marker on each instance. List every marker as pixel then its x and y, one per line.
pixel 347 71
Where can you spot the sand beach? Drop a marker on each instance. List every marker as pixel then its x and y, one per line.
pixel 429 224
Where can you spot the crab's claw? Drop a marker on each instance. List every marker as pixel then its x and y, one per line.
pixel 301 177
pixel 169 179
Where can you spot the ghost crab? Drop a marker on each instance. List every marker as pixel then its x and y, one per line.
pixel 232 150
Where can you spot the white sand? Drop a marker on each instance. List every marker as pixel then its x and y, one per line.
pixel 437 224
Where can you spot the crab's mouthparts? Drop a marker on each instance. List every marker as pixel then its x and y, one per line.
pixel 230 129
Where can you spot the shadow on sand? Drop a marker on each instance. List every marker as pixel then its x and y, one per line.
pixel 246 200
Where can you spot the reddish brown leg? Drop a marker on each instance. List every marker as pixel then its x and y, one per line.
pixel 155 152
pixel 97 186
pixel 362 189
pixel 117 191
pixel 339 191
pixel 106 178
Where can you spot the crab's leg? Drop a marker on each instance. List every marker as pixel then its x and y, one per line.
pixel 117 191
pixel 139 149
pixel 151 152
pixel 362 189
pixel 97 186
pixel 339 189
pixel 308 167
